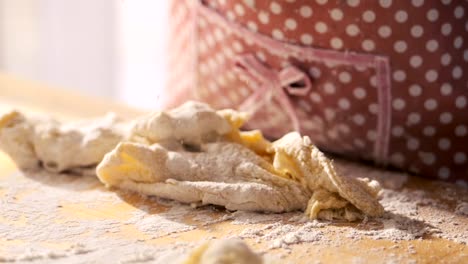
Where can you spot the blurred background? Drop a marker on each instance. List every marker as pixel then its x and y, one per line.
pixel 108 48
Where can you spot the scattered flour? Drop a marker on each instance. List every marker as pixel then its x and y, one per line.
pixel 162 224
pixel 32 209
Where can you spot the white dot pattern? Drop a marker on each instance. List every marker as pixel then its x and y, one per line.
pixel 398 104
pixel 399 75
pixel 413 118
pixel 353 3
pixel 336 43
pixel 400 46
pixel 415 61
pixel 432 15
pixel 444 143
pixel 385 3
pixel 321 27
pixel 368 45
pixel 401 16
pixel 460 102
pixel 291 24
pixel 336 14
pixel 445 59
pixel 305 11
pixel 359 93
pixel 459 12
pixel 425 42
pixel 446 89
pixel 352 30
pixel 415 90
pixel 417 31
pixel 275 8
pixel 368 16
pixel 306 39
pixel 430 104
pixel 446 29
pixel 417 3
pixel 385 31
pixel 359 119
pixel 432 45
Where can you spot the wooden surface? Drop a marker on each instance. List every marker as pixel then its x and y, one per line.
pixel 109 205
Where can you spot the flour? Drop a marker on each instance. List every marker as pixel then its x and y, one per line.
pixel 30 207
pixel 32 211
pixel 139 258
pixel 412 214
pixel 286 235
pixel 162 224
pixel 31 255
pixel 242 218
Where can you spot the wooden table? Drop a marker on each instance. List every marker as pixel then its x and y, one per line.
pixel 72 219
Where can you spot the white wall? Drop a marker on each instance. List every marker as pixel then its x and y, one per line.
pixel 110 48
pixel 77 44
pixel 142 38
pixel 19 37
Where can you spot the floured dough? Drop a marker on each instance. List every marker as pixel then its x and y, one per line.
pixel 221 173
pixel 334 196
pixel 57 147
pixel 225 251
pixel 194 154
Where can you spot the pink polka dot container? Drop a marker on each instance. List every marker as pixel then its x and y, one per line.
pixel 382 80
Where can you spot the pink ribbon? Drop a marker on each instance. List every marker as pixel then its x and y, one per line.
pixel 269 83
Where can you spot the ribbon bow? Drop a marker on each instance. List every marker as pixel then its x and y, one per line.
pixel 271 83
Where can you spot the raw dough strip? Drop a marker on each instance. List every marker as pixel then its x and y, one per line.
pixel 222 173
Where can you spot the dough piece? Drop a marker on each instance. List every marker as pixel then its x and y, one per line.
pixel 33 143
pixel 191 123
pixel 295 157
pixel 234 169
pixel 16 140
pixel 221 173
pixel 226 251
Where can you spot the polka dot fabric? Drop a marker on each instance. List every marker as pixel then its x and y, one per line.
pixel 418 122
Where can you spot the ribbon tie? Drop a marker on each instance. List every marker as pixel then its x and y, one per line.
pixel 272 83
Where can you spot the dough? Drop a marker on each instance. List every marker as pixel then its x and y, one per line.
pixel 194 154
pixel 219 164
pixel 225 251
pixel 33 143
pixel 221 173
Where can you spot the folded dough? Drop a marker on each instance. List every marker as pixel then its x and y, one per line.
pixel 194 154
